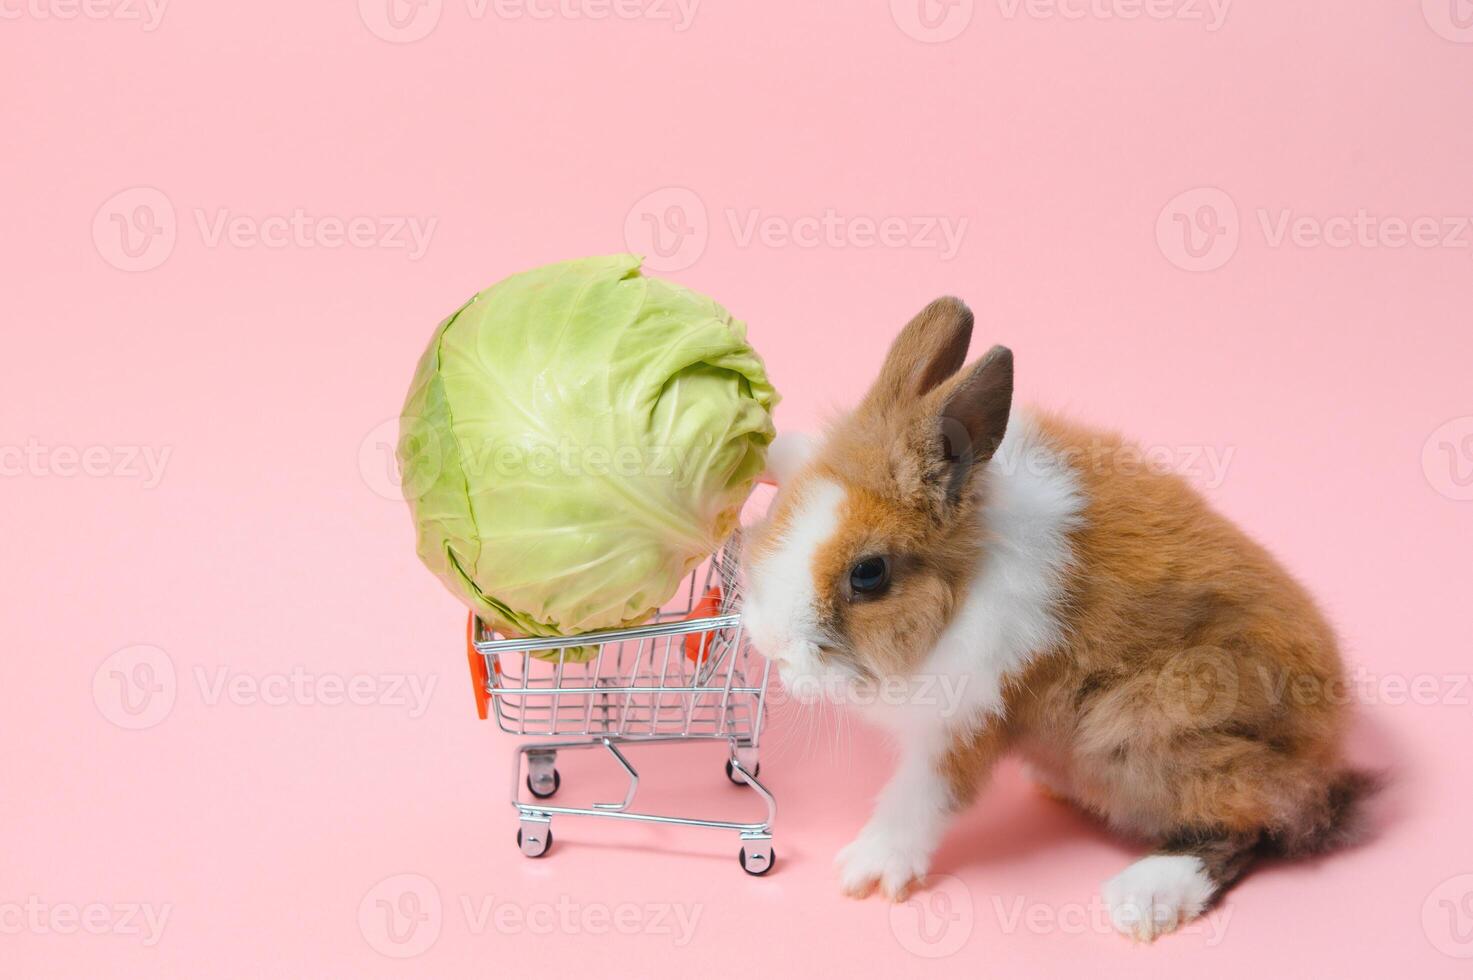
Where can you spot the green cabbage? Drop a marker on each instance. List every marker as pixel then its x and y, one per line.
pixel 576 440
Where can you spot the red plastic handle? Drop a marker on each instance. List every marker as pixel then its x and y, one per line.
pixel 480 680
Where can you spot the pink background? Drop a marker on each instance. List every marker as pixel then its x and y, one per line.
pixel 1336 376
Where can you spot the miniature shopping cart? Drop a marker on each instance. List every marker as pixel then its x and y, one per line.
pixel 688 675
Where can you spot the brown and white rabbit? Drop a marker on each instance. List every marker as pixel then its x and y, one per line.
pixel 1149 661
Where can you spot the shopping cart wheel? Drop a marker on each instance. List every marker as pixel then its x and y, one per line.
pixel 731 773
pixel 538 844
pixel 544 785
pixel 759 861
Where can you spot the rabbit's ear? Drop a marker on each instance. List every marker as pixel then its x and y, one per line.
pixel 973 415
pixel 930 349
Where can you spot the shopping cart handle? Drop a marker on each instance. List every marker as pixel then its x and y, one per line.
pixel 480 679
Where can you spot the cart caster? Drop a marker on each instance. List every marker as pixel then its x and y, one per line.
pixel 732 775
pixel 542 775
pixel 759 860
pixel 537 841
pixel 544 784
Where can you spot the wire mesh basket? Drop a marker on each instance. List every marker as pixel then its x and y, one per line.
pixel 689 674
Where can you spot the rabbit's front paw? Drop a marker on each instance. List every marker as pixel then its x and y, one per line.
pixel 892 861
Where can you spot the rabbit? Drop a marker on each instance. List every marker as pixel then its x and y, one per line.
pixel 1148 660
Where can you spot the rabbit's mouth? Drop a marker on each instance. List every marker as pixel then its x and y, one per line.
pixel 827 680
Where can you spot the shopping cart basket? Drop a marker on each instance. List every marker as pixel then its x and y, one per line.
pixel 688 675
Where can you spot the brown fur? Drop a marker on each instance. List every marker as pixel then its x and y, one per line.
pixel 1178 703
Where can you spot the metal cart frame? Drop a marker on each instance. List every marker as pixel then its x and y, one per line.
pixel 688 676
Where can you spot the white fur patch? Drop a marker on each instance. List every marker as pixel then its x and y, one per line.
pixel 1157 894
pixel 779 606
pixel 894 850
pixel 788 454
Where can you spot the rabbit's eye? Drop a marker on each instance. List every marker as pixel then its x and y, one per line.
pixel 870 576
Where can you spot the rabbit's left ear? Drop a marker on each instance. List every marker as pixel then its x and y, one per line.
pixel 973 416
pixel 788 454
